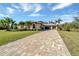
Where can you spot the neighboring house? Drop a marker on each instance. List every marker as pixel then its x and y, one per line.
pixel 38 26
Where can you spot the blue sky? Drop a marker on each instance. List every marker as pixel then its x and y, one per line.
pixel 39 11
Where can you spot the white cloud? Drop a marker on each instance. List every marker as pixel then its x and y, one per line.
pixel 15 6
pixel 1 15
pixel 38 7
pixel 49 4
pixel 10 10
pixel 30 7
pixel 34 8
pixel 61 6
pixel 65 17
pixel 26 7
pixel 68 17
pixel 75 12
pixel 34 14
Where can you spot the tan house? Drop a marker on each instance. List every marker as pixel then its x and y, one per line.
pixel 34 25
pixel 38 26
pixel 21 27
pixel 49 26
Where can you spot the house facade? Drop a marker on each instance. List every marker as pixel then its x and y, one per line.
pixel 38 26
pixel 49 26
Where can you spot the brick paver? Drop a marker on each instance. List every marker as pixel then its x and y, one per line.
pixel 46 43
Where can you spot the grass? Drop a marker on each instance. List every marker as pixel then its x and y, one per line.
pixel 71 40
pixel 8 36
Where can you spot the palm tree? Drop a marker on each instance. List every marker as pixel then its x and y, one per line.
pixel 12 24
pixel 57 22
pixel 9 22
pixel 3 23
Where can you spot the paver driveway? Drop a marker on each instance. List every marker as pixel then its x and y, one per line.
pixel 46 43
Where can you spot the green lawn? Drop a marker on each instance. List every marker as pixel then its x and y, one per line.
pixel 71 40
pixel 6 36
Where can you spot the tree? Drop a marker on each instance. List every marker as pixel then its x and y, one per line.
pixel 67 26
pixel 21 23
pixel 9 23
pixel 28 23
pixel 57 22
pixel 76 22
pixel 13 24
pixel 3 24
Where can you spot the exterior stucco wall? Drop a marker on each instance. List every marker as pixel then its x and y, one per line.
pixel 38 26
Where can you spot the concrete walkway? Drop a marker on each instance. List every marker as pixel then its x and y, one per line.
pixel 46 43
